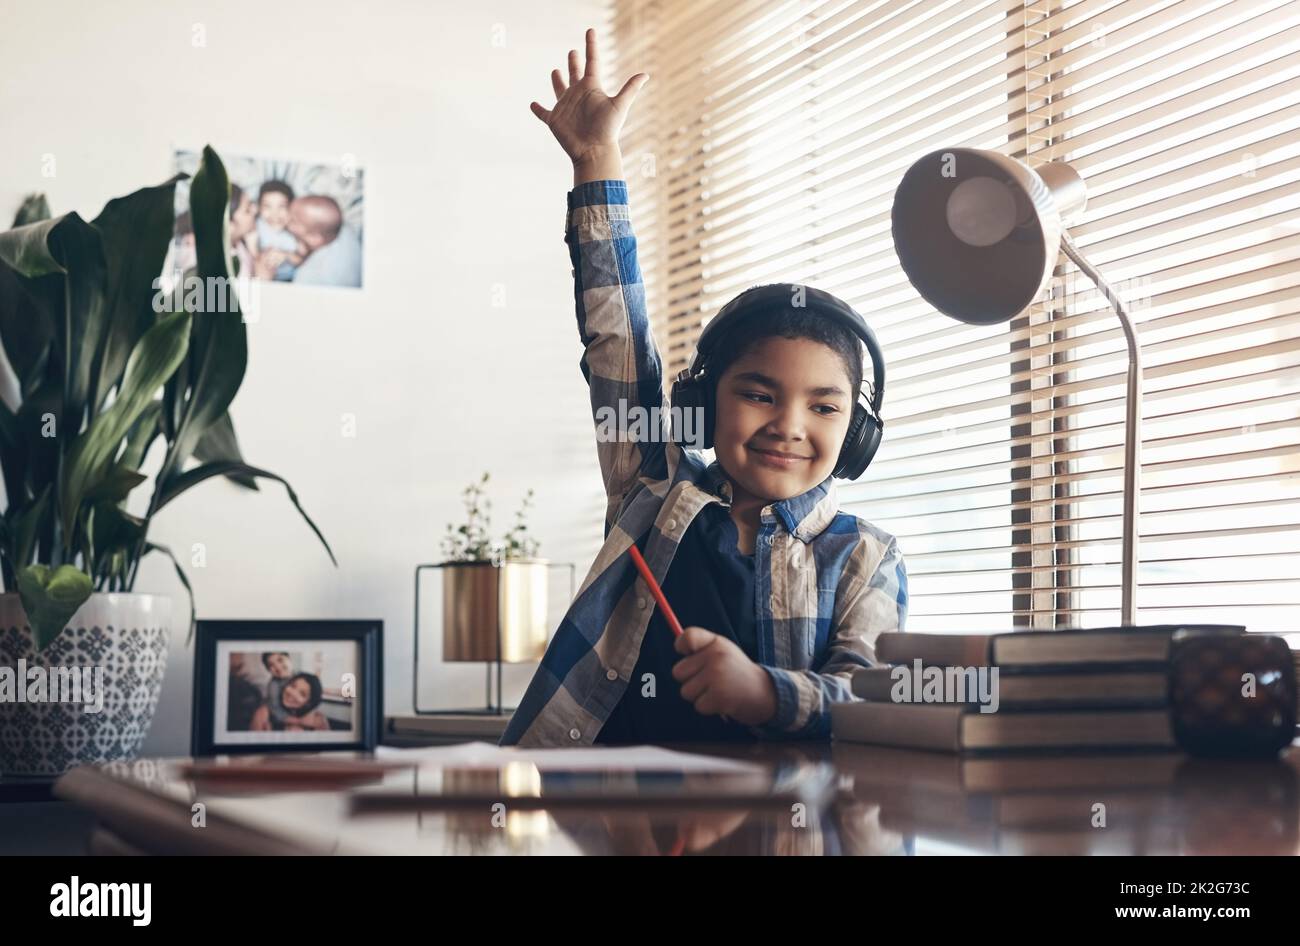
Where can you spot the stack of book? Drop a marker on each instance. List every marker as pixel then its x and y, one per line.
pixel 1072 689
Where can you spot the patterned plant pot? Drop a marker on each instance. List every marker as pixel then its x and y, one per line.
pixel 117 644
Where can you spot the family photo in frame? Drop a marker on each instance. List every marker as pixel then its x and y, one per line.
pixel 266 686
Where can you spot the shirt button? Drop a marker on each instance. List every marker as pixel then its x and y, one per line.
pixel 767 540
pixel 640 603
pixel 671 524
pixel 611 674
pixel 575 735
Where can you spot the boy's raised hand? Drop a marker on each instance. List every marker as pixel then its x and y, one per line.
pixel 585 121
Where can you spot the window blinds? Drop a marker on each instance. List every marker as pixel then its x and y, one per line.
pixel 767 147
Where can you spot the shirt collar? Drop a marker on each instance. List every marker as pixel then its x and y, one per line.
pixel 804 516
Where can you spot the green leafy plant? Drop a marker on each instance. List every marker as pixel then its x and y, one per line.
pixel 518 543
pixel 101 375
pixel 472 541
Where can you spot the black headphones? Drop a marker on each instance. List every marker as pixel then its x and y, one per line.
pixel 694 389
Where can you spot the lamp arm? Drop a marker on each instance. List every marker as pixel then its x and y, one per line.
pixel 1132 435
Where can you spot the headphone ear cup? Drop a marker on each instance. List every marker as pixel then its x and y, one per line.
pixel 860 444
pixel 875 432
pixel 707 405
pixel 687 400
pixel 852 439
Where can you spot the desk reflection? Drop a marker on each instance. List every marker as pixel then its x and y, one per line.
pixel 884 802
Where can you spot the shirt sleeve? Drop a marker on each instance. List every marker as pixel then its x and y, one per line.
pixel 866 608
pixel 620 360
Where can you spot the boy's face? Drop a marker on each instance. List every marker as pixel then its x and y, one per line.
pixel 273 207
pixel 787 396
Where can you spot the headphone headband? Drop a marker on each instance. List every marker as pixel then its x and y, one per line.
pixel 693 390
pixel 774 297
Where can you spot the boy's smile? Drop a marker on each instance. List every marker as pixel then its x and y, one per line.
pixel 782 412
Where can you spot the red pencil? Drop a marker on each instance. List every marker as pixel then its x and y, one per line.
pixel 649 579
pixel 671 618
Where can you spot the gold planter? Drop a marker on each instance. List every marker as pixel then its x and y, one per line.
pixel 481 598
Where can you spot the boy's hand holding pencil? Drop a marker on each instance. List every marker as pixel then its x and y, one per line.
pixel 585 121
pixel 716 676
pixel 719 678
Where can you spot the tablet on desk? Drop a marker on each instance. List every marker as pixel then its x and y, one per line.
pixel 523 786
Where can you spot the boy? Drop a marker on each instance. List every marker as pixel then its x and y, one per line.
pixel 278 247
pixel 280 666
pixel 782 593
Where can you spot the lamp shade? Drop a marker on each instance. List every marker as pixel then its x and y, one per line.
pixel 978 233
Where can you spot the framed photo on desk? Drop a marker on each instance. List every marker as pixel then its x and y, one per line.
pixel 277 686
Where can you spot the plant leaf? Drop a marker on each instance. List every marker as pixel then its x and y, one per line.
pixel 180 573
pixel 152 362
pixel 51 598
pixel 142 434
pixel 40 429
pixel 68 247
pixel 23 534
pixel 27 320
pixel 116 484
pixel 179 484
pixel 13 456
pixel 219 443
pixel 34 208
pixel 77 246
pixel 178 385
pixel 135 232
pixel 111 529
pixel 27 249
pixel 219 340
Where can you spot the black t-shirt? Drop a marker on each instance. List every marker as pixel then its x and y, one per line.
pixel 710 583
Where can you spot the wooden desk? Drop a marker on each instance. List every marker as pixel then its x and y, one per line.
pixel 890 802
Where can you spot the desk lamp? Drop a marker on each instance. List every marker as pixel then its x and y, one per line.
pixel 978 234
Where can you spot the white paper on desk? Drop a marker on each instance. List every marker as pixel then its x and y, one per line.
pixel 604 758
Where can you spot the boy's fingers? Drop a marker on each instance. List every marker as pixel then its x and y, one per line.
pixel 543 113
pixel 627 95
pixel 574 75
pixel 688 667
pixel 692 639
pixel 707 705
pixel 692 689
pixel 592 69
pixel 557 83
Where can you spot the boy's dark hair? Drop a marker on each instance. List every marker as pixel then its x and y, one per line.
pixel 266 657
pixel 313 681
pixel 275 187
pixel 788 323
pixel 236 198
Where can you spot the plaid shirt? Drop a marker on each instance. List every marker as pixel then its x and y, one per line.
pixel 827 583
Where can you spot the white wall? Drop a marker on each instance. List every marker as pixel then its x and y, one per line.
pixel 464 189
